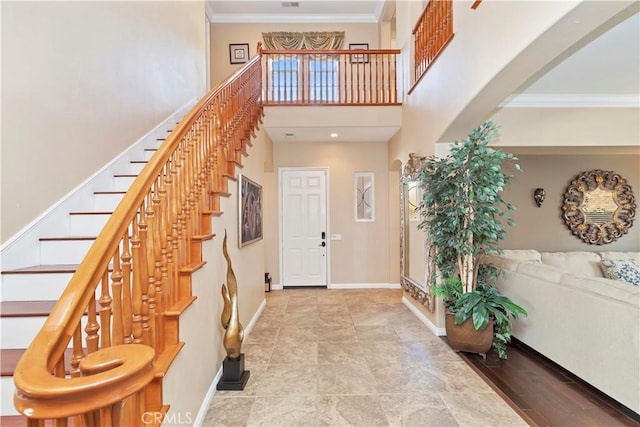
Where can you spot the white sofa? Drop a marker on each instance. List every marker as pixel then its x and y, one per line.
pixel 584 322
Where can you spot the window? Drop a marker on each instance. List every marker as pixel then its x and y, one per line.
pixel 304 79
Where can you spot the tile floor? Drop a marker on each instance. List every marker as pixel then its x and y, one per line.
pixel 323 357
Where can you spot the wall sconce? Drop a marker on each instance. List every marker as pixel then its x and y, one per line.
pixel 538 196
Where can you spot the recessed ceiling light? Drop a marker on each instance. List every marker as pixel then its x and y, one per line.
pixel 334 135
pixel 290 4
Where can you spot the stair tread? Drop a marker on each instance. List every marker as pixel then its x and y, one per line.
pixel 25 308
pixel 90 213
pixel 18 421
pixel 125 175
pixel 51 268
pixel 109 192
pixel 67 238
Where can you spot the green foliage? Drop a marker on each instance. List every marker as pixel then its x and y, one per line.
pixel 462 208
pixel 463 212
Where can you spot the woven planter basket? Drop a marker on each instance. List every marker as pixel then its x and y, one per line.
pixel 464 337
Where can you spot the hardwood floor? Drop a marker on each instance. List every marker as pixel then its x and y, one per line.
pixel 545 394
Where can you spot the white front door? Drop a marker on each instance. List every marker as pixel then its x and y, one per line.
pixel 303 214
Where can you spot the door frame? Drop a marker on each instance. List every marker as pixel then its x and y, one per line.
pixel 281 170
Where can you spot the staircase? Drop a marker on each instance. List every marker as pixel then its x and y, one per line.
pixel 30 291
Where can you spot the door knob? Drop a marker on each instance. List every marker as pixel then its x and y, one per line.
pixel 323 244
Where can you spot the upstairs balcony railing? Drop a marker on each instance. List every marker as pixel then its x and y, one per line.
pixel 330 77
pixel 432 33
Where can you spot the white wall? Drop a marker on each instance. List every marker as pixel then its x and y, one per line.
pixel 81 81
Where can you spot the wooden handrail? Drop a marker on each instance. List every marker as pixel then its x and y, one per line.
pixel 431 34
pixel 133 273
pixel 330 77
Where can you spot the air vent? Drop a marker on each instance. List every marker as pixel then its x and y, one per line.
pixel 290 4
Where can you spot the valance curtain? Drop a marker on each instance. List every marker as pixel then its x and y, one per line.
pixel 328 40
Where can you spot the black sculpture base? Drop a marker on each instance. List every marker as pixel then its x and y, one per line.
pixel 234 377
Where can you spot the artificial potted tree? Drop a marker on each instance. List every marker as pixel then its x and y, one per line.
pixel 463 213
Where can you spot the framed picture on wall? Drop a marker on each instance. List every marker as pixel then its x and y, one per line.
pixel 239 53
pixel 359 58
pixel 249 211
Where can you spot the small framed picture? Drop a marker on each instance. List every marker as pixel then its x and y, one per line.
pixel 239 53
pixel 359 58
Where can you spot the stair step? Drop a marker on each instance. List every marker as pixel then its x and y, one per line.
pixel 45 281
pixel 64 250
pixel 18 421
pixel 123 181
pixel 10 357
pixel 25 308
pixel 88 222
pixel 107 200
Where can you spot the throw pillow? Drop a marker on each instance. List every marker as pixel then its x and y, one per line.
pixel 626 270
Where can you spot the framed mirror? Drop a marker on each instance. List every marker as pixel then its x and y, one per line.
pixel 598 206
pixel 415 261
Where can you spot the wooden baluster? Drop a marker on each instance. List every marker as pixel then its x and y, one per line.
pixel 92 327
pixel 116 287
pixel 138 269
pixel 163 236
pixel 157 270
pixel 78 353
pixel 126 288
pixel 105 312
pixel 151 264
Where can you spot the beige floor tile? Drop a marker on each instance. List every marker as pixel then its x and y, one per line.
pixel 257 354
pixel 294 353
pixel 412 410
pixel 376 333
pixel 297 335
pixel 281 380
pixel 481 409
pixel 340 352
pixel 345 379
pixel 232 411
pixel 297 411
pixel 353 357
pixel 360 411
pixel 346 332
pixel 454 377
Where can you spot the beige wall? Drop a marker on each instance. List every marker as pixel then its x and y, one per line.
pixel 543 228
pixel 224 34
pixel 85 80
pixel 200 328
pixel 362 256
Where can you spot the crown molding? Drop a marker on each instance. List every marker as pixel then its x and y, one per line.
pixel 534 100
pixel 294 19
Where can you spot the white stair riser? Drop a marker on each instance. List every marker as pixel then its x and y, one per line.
pixel 106 202
pixel 63 251
pixel 136 168
pixel 19 332
pixel 87 225
pixel 7 388
pixel 29 287
pixel 148 154
pixel 121 183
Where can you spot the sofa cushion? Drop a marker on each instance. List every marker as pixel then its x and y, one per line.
pixel 581 264
pixel 626 270
pixel 541 271
pixel 521 255
pixel 620 255
pixel 603 288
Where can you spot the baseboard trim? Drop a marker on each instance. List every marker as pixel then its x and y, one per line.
pixel 363 286
pixel 424 319
pixel 202 413
pixel 279 287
